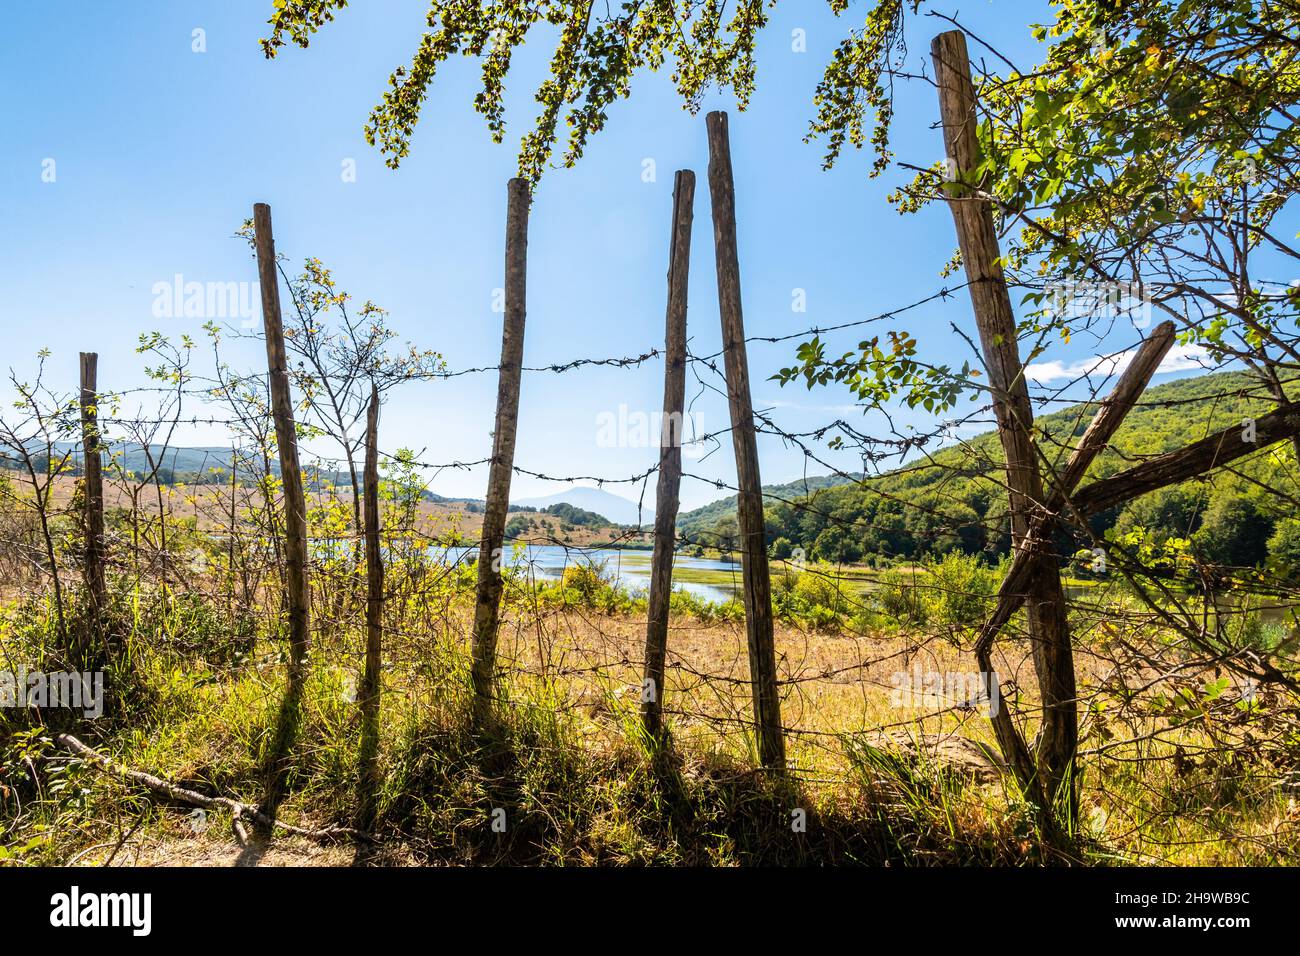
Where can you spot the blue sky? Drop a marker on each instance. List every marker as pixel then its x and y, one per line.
pixel 160 153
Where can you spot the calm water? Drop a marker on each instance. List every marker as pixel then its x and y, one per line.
pixel 708 578
pixel 546 562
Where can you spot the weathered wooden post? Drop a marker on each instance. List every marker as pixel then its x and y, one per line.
pixel 977 236
pixel 369 695
pixel 749 498
pixel 233 517
pixel 286 441
pixel 670 455
pixel 298 595
pixel 93 484
pixel 487 603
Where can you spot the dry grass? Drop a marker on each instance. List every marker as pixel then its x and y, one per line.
pixel 581 787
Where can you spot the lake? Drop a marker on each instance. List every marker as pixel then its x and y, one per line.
pixel 708 578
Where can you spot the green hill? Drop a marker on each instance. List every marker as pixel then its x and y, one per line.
pixel 954 498
pixel 703 519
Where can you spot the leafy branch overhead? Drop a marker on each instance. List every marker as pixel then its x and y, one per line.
pixel 598 49
pixel 1153 144
pixel 1143 166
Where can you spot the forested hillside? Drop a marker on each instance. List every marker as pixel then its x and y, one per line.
pixel 694 524
pixel 947 500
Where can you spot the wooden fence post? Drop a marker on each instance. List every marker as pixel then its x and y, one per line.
pixel 286 440
pixel 749 497
pixel 670 455
pixel 93 483
pixel 295 507
pixel 977 236
pixel 370 687
pixel 487 603
pixel 231 548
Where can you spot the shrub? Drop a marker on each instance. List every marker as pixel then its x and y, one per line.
pixel 899 596
pixel 958 589
pixel 584 580
pixel 963 589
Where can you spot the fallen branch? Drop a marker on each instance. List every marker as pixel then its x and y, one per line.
pixel 1213 451
pixel 239 811
pixel 1170 468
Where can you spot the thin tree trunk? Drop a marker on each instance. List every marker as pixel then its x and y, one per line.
pixel 230 541
pixel 370 686
pixel 487 603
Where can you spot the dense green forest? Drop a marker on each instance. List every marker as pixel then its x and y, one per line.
pixel 695 524
pixel 951 500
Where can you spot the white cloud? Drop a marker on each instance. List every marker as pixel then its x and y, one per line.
pixel 1179 359
pixel 1183 357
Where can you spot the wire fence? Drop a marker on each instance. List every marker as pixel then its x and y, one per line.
pixel 886 575
pixel 862 652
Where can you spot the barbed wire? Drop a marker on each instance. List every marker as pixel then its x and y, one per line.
pixel 557 632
